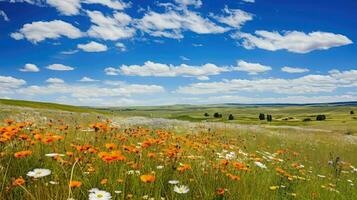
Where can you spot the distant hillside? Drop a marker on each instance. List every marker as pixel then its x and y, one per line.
pixel 45 105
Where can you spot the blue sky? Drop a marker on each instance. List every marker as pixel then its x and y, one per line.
pixel 119 52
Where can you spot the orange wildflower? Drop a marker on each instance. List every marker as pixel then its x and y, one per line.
pixel 233 177
pixel 18 181
pixel 184 167
pixel 147 178
pixel 110 146
pixel 104 181
pixel 151 155
pixel 22 154
pixel 220 191
pixel 75 184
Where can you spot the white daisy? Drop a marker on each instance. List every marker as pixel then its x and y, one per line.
pixel 182 189
pixel 96 194
pixel 38 173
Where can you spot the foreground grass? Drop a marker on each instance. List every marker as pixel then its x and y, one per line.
pixel 212 163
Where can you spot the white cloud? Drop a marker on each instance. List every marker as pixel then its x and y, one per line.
pixel 30 68
pixel 110 28
pixel 251 68
pixel 114 4
pixel 292 41
pixel 69 52
pixel 195 3
pixel 172 23
pixel 92 47
pixel 184 58
pixel 54 81
pixel 235 18
pixel 59 67
pixel 87 79
pixel 294 70
pixel 249 1
pixel 10 82
pixel 163 70
pixel 39 31
pixel 309 84
pixel 121 46
pixel 4 16
pixel 111 71
pixel 66 7
pixel 89 90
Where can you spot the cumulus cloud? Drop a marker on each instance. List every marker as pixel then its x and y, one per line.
pixel 114 4
pixel 66 7
pixel 110 28
pixel 251 68
pixel 309 84
pixel 30 68
pixel 11 82
pixel 294 70
pixel 54 81
pixel 4 16
pixel 92 47
pixel 292 41
pixel 90 91
pixel 87 79
pixel 59 67
pixel 185 3
pixel 164 70
pixel 41 30
pixel 111 71
pixel 172 23
pixel 121 46
pixel 235 18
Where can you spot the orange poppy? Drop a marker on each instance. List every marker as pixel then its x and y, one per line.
pixel 75 184
pixel 147 178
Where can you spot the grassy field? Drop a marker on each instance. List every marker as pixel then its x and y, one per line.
pixel 87 148
pixel 338 119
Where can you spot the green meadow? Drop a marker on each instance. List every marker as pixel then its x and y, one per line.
pixel 212 158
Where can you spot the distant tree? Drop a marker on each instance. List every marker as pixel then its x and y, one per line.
pixel 217 115
pixel 261 116
pixel 320 117
pixel 206 115
pixel 352 112
pixel 269 118
pixel 231 117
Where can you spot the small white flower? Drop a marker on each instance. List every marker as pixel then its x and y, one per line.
pixel 53 182
pixel 117 192
pixel 182 189
pixel 96 194
pixel 261 165
pixel 54 154
pixel 38 173
pixel 159 167
pixel 173 182
pixel 321 176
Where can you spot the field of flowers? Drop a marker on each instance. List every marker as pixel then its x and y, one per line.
pixel 76 156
